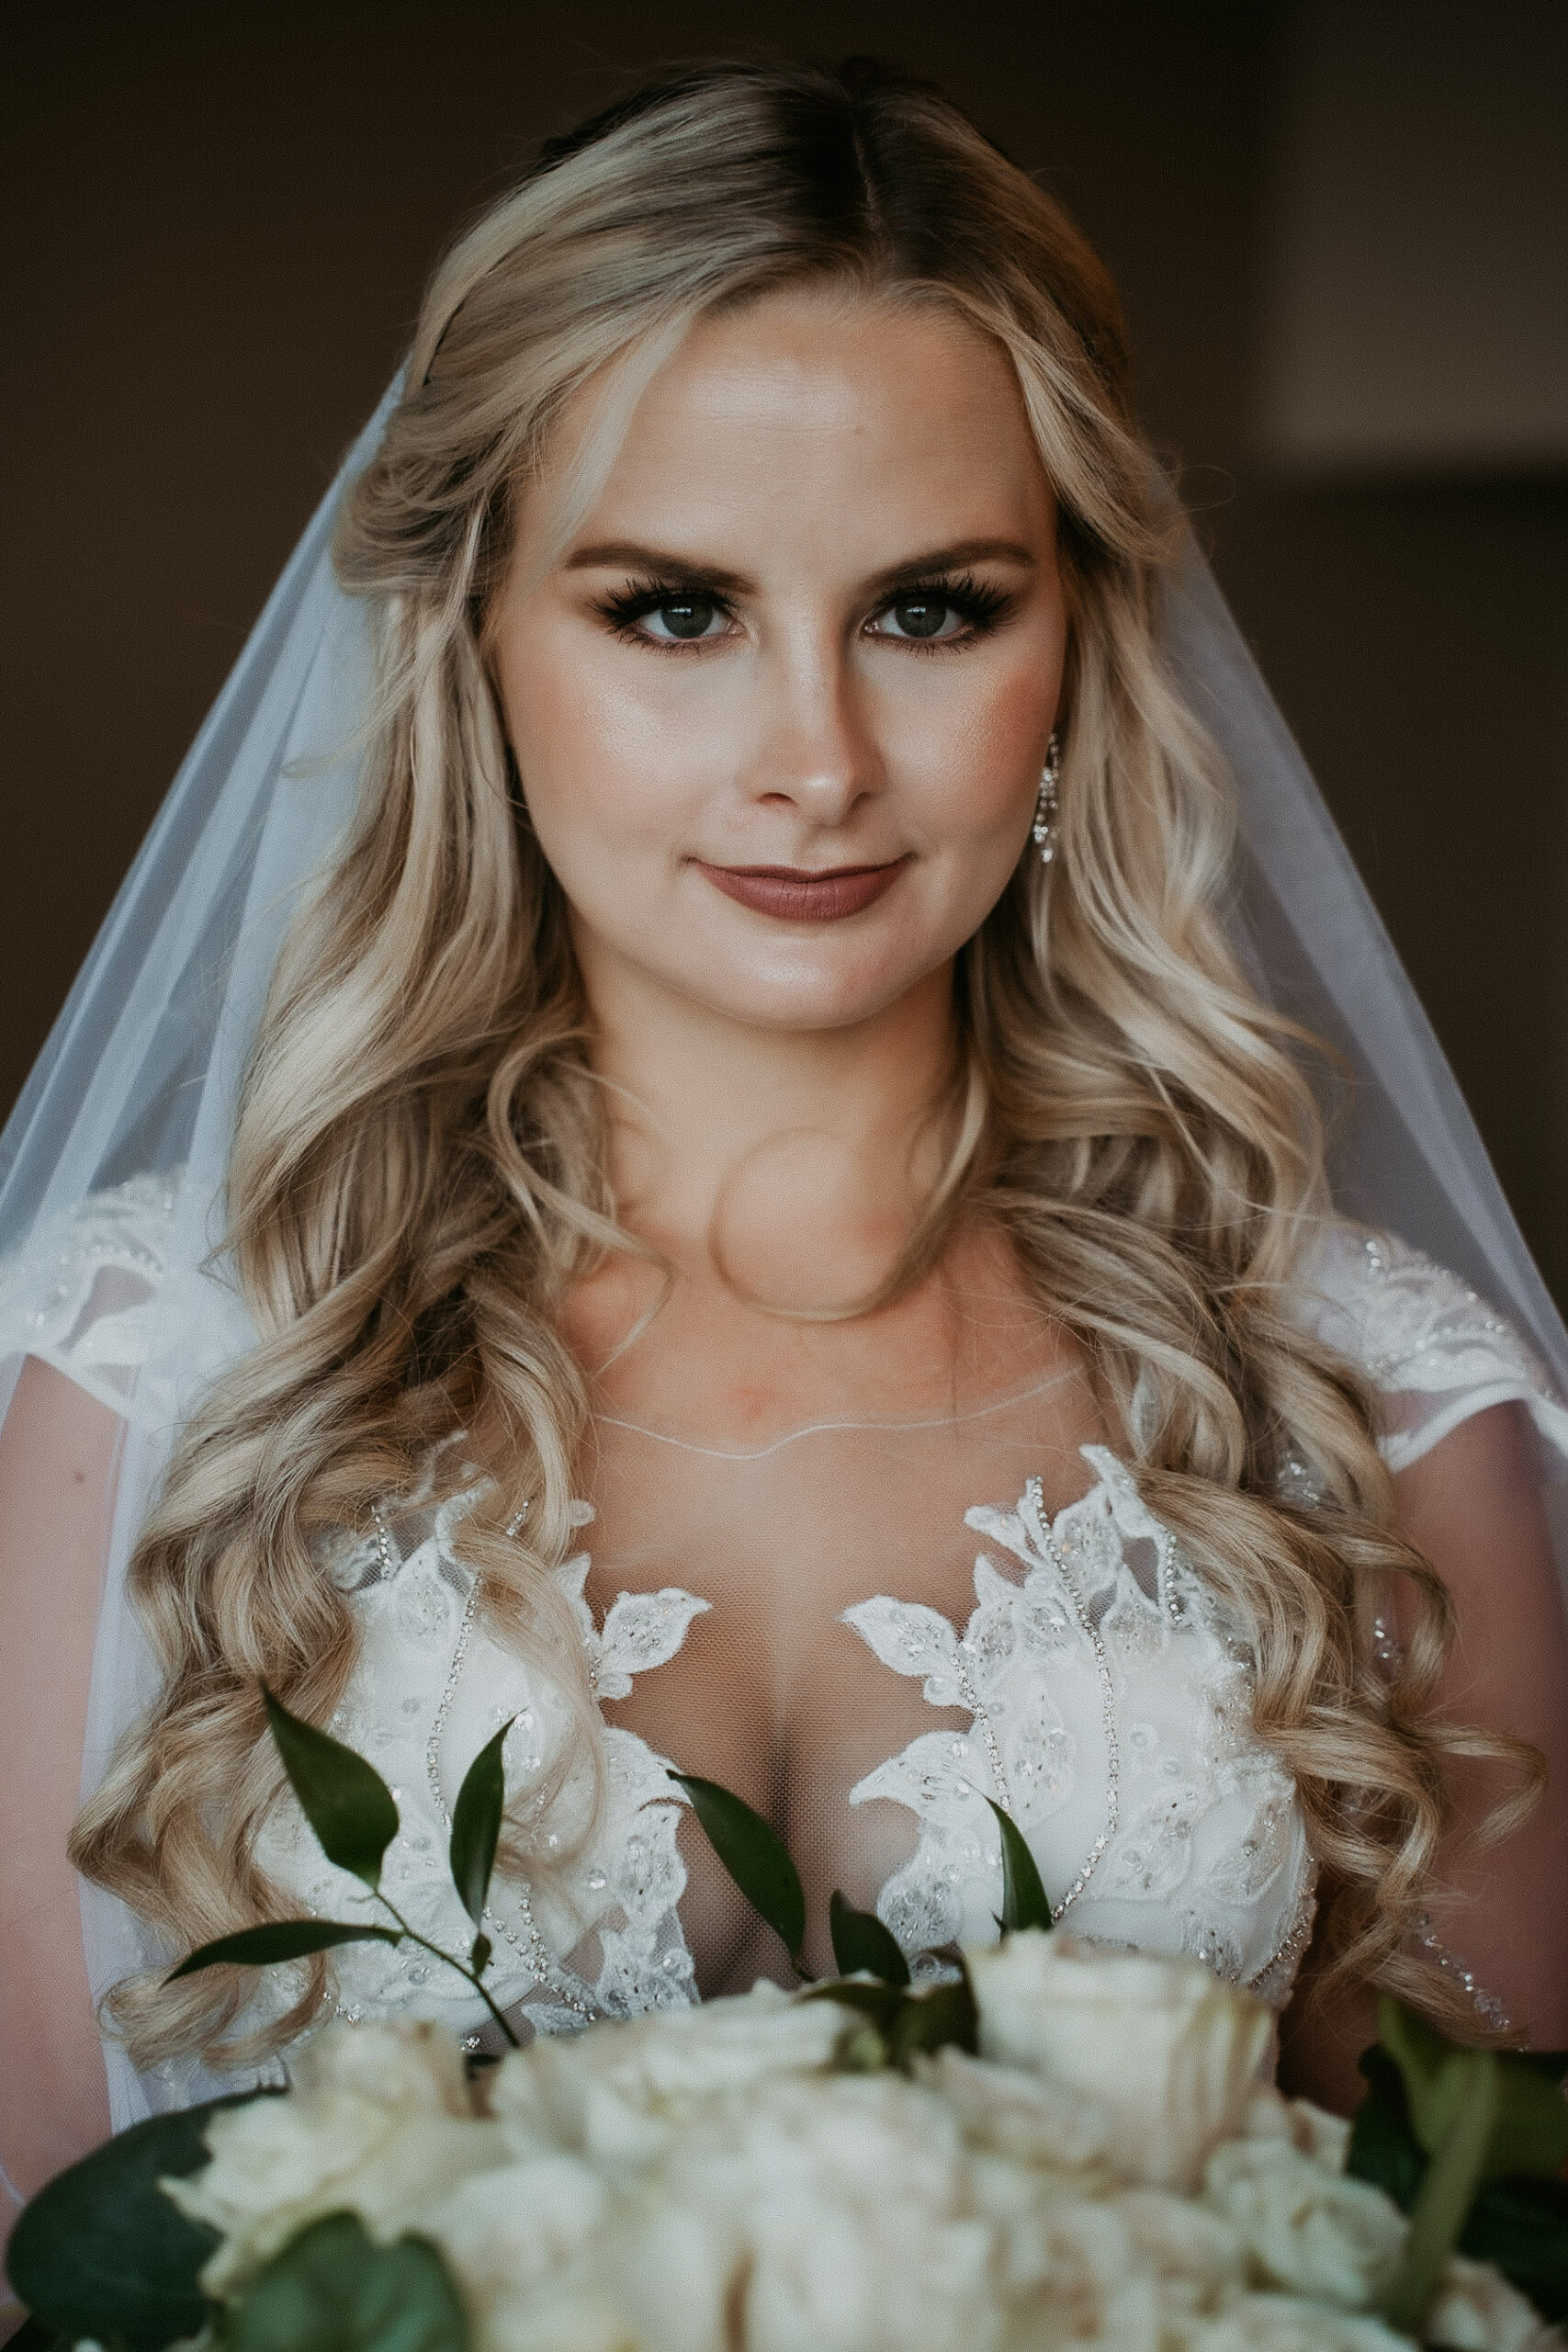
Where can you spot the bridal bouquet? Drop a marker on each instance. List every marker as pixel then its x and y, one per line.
pixel 1044 2146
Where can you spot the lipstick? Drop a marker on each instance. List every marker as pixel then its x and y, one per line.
pixel 796 894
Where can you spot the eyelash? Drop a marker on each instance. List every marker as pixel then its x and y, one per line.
pixel 978 604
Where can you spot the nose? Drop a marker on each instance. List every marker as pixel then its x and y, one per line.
pixel 814 749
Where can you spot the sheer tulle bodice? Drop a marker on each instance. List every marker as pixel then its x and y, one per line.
pixel 866 1627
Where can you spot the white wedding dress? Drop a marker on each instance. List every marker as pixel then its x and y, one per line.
pixel 1070 1665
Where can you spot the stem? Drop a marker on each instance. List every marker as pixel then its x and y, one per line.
pixel 466 1974
pixel 1443 2204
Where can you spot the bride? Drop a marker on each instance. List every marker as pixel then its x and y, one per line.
pixel 680 1139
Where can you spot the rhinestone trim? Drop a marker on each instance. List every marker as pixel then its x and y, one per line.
pixel 1034 1494
pixel 1488 2006
pixel 530 1947
pixel 987 1731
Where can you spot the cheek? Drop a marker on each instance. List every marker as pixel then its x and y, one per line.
pixel 973 758
pixel 598 755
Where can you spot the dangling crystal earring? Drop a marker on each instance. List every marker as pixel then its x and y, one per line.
pixel 1044 826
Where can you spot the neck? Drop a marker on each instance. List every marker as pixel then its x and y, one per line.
pixel 743 1147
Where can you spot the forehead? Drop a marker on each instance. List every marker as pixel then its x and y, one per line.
pixel 807 408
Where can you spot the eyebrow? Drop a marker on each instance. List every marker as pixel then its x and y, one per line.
pixel 666 563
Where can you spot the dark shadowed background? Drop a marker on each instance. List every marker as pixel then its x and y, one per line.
pixel 1341 229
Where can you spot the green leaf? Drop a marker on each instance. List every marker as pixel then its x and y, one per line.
pixel 1464 2095
pixel 279 1939
pixel 1024 1901
pixel 476 1824
pixel 754 1854
pixel 912 2024
pixel 1522 2227
pixel 1530 2137
pixel 880 2002
pixel 332 2289
pixel 101 2251
pixel 1383 2148
pixel 1421 2055
pixel 861 1942
pixel 929 2021
pixel 346 1803
pixel 479 1954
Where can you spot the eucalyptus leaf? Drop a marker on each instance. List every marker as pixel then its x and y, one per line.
pixel 861 1942
pixel 476 1824
pixel 332 2289
pixel 102 2254
pixel 345 1801
pixel 279 1939
pixel 754 1854
pixel 1024 1900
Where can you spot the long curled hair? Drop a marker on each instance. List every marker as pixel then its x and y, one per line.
pixel 419 1170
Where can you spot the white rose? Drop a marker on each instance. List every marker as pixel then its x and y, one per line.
pixel 1287 2323
pixel 1066 2255
pixel 378 2124
pixel 1311 2129
pixel 575 2317
pixel 1184 2245
pixel 513 2229
pixel 1025 2118
pixel 616 2091
pixel 854 2227
pixel 679 2274
pixel 1164 2049
pixel 1309 2230
pixel 1477 2311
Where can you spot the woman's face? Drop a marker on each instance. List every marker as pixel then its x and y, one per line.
pixel 781 703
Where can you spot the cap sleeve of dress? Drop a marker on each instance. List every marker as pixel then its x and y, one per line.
pixel 79 1293
pixel 1434 1349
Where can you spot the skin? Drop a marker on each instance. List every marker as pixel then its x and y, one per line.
pixel 58 1451
pixel 809 454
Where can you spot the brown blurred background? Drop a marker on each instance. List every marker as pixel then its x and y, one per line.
pixel 1341 228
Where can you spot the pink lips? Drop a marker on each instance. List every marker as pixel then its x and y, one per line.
pixel 795 894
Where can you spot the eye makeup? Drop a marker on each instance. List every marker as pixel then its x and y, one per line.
pixel 688 609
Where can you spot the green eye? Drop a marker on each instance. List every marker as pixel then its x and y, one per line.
pixel 921 616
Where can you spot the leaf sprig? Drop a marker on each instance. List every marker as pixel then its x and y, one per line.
pixel 355 1817
pixel 902 2021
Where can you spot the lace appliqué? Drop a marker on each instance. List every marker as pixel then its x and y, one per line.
pixel 78 1296
pixel 599 1937
pixel 1429 1343
pixel 1109 1713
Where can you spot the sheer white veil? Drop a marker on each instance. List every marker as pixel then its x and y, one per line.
pixel 136 1087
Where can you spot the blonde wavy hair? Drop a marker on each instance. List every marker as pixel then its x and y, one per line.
pixel 419 1168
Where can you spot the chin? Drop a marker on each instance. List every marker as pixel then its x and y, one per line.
pixel 797 999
